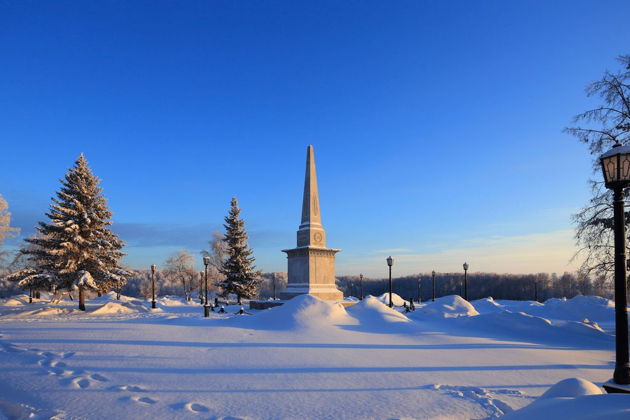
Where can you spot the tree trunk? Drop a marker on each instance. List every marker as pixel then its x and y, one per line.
pixel 99 293
pixel 37 294
pixel 81 299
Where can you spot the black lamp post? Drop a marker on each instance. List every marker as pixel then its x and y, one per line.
pixel 201 287
pixel 273 279
pixel 390 262
pixel 361 284
pixel 616 168
pixel 206 309
pixel 433 281
pixel 466 280
pixel 153 267
pixel 535 290
pixel 418 289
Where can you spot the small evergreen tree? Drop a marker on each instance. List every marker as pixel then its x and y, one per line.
pixel 241 277
pixel 76 250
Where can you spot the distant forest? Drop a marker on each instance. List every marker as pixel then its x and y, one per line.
pixel 539 286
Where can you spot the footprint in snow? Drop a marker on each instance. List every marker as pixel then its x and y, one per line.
pixel 129 388
pixel 196 408
pixel 80 382
pixel 99 378
pixel 143 400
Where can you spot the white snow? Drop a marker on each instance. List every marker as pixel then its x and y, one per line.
pixel 576 399
pixel 310 359
pixel 447 307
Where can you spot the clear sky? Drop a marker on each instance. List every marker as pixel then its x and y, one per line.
pixel 437 125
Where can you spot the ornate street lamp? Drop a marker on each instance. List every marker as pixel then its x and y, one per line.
pixel 361 284
pixel 466 280
pixel 616 169
pixel 153 268
pixel 390 262
pixel 433 278
pixel 206 309
pixel 418 289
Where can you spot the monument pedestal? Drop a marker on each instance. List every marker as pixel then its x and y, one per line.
pixel 312 272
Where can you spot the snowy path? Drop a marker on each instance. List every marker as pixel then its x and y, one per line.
pixel 175 364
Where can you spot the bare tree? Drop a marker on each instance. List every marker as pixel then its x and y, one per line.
pixel 600 128
pixel 181 266
pixel 217 251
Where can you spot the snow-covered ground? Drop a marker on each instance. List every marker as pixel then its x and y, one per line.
pixel 450 359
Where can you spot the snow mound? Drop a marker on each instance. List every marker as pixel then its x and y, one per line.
pixel 571 387
pixel 170 300
pixel 16 300
pixel 447 307
pixel 397 300
pixel 576 399
pixel 111 308
pixel 535 328
pixel 111 297
pixel 487 306
pixel 578 308
pixel 301 312
pixel 372 312
pixel 45 312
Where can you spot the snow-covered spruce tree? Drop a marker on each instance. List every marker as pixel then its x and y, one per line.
pixel 76 249
pixel 241 276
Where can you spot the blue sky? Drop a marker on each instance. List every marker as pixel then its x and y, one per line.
pixel 437 125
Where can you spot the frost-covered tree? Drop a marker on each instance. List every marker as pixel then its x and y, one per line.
pixel 6 231
pixel 241 276
pixel 181 266
pixel 76 249
pixel 600 128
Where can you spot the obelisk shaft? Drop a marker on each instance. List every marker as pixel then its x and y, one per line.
pixel 311 232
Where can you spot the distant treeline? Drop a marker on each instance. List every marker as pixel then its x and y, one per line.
pixel 539 286
pixel 500 286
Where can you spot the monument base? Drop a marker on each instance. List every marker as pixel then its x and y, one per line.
pixel 325 292
pixel 265 304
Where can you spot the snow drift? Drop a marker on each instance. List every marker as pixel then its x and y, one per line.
pixel 112 308
pixel 373 314
pixel 578 399
pixel 446 307
pixel 301 312
pixel 534 328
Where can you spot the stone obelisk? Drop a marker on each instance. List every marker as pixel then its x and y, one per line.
pixel 311 264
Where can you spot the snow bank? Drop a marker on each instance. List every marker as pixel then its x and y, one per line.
pixel 111 297
pixel 572 387
pixel 301 312
pixel 528 327
pixel 170 300
pixel 373 313
pixel 487 306
pixel 578 308
pixel 15 300
pixel 45 312
pixel 446 307
pixel 111 308
pixel 397 300
pixel 576 399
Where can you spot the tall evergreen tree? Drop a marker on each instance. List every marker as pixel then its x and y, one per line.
pixel 241 276
pixel 76 250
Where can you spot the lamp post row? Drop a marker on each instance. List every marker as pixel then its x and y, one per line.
pixel 390 263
